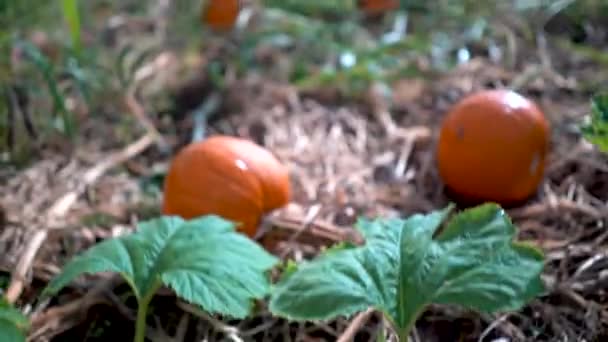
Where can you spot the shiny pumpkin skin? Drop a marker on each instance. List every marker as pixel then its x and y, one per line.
pixel 227 176
pixel 221 14
pixel 492 147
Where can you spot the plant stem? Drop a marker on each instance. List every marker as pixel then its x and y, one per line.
pixel 142 312
pixel 404 332
pixel 404 335
pixel 140 323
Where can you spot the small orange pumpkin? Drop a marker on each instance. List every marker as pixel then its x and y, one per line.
pixel 378 6
pixel 492 147
pixel 221 15
pixel 227 176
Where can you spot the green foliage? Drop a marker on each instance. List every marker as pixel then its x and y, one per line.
pixel 406 265
pixel 16 17
pixel 333 44
pixel 314 8
pixel 47 71
pixel 72 17
pixel 595 130
pixel 13 324
pixel 48 68
pixel 18 14
pixel 203 260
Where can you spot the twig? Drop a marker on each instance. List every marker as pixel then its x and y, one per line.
pixel 312 214
pixel 61 207
pixel 511 44
pixel 18 277
pixel 259 328
pixel 350 332
pixel 522 80
pixel 491 327
pixel 202 115
pixel 415 335
pixel 404 156
pixel 318 232
pixel 43 322
pixel 182 328
pixel 560 206
pixel 232 332
pixel 140 114
pixel 135 106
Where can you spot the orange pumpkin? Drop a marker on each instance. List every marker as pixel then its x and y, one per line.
pixel 378 6
pixel 492 147
pixel 227 176
pixel 221 14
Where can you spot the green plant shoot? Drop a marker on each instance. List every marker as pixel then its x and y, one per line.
pixel 67 123
pixel 406 265
pixel 13 324
pixel 595 130
pixel 204 260
pixel 72 18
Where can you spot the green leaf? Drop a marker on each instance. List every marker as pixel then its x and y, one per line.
pixel 66 123
pixel 72 18
pixel 13 324
pixel 406 265
pixel 203 260
pixel 340 246
pixel 595 130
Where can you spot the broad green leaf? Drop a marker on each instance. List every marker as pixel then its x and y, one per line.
pixel 13 323
pixel 407 264
pixel 9 332
pixel 595 130
pixel 203 260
